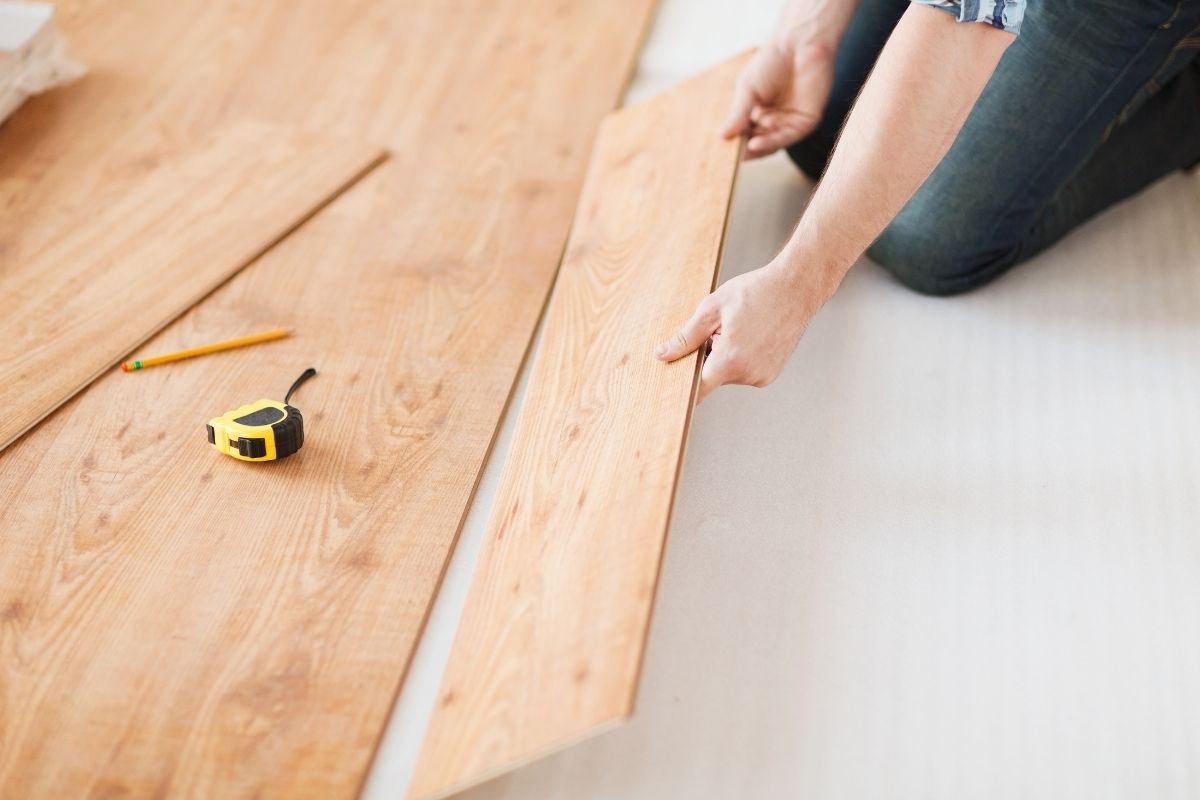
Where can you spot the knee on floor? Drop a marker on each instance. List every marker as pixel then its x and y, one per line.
pixel 811 155
pixel 936 259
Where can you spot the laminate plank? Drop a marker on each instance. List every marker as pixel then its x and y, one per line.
pixel 550 644
pixel 118 273
pixel 175 622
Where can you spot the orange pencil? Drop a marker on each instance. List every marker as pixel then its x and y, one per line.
pixel 265 336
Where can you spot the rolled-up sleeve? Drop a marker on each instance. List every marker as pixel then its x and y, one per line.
pixel 1006 14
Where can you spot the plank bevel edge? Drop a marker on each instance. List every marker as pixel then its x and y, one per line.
pixel 550 645
pixel 119 273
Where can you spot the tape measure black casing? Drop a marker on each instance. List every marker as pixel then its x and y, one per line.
pixel 289 433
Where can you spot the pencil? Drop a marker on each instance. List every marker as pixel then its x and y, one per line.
pixel 229 344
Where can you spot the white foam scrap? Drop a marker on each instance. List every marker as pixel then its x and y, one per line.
pixel 33 57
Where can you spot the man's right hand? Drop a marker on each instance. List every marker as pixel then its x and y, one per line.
pixel 780 95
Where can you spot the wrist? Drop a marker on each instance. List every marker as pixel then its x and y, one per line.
pixel 801 44
pixel 808 275
pixel 814 22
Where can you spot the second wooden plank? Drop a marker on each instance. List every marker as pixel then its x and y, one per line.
pixel 551 641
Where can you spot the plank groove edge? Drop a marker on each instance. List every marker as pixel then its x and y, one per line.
pixel 550 645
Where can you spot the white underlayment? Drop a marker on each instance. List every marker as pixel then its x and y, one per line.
pixel 954 552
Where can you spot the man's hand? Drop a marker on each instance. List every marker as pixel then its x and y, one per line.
pixel 780 95
pixel 754 320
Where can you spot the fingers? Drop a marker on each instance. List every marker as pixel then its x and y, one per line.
pixel 694 333
pixel 739 111
pixel 789 96
pixel 707 384
pixel 726 364
pixel 774 130
pixel 764 144
pixel 713 373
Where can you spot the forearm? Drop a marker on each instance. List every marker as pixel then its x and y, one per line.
pixel 820 21
pixel 924 84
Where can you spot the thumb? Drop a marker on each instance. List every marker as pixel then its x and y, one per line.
pixel 739 112
pixel 694 333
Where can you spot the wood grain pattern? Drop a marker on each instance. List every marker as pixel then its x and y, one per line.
pixel 117 272
pixel 551 640
pixel 176 622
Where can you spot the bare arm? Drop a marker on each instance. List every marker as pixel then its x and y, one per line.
pixel 928 77
pixel 926 80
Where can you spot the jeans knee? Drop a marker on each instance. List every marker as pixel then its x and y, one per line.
pixel 811 154
pixel 927 258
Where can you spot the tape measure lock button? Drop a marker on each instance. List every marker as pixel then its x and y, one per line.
pixel 265 430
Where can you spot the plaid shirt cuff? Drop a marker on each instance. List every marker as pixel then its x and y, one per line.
pixel 1005 14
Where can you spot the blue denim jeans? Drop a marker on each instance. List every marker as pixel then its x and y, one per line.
pixel 1094 101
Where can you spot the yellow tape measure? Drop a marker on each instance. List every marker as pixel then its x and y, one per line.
pixel 261 431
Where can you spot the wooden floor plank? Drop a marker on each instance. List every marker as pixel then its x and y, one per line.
pixel 119 271
pixel 173 621
pixel 551 640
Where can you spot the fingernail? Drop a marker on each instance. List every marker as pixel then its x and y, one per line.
pixel 661 350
